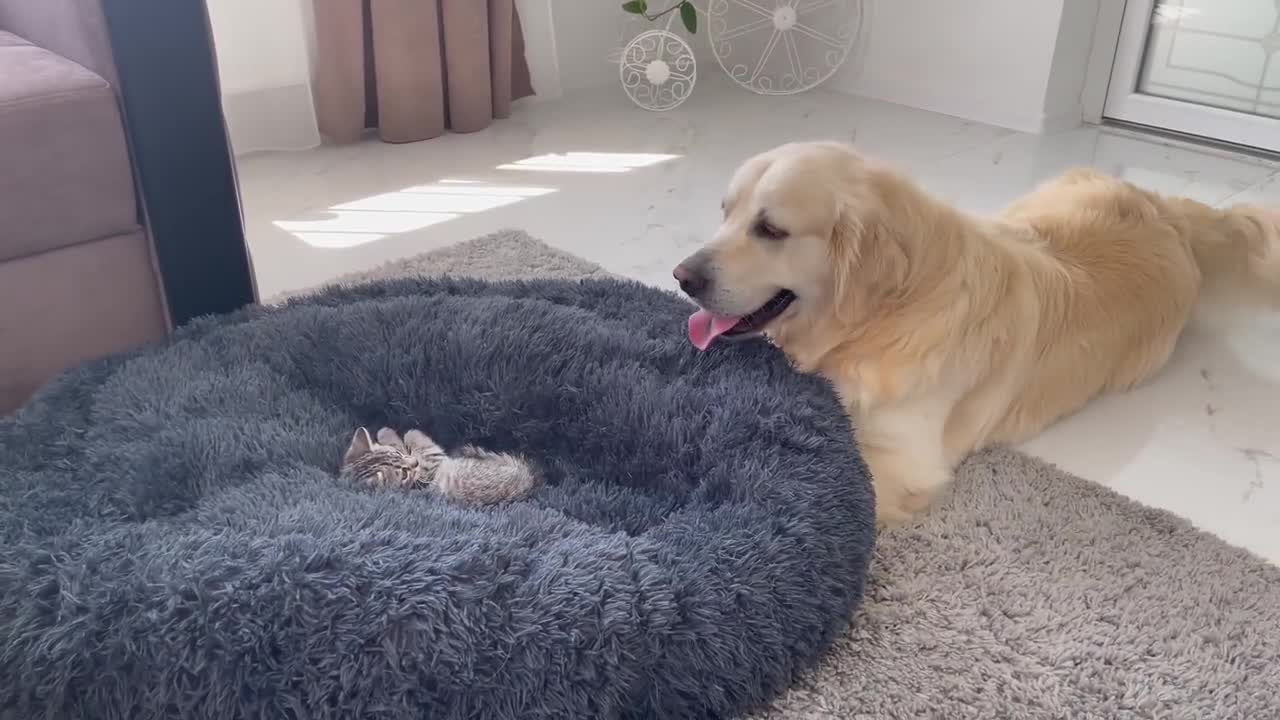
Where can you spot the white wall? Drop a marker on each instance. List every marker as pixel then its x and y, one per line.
pixel 1020 64
pixel 538 24
pixel 265 70
pixel 588 32
pixel 260 44
pixel 1083 25
pixel 985 60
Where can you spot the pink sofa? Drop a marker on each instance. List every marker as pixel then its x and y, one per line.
pixel 78 276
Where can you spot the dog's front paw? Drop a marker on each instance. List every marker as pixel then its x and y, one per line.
pixel 417 440
pixel 906 485
pixel 895 507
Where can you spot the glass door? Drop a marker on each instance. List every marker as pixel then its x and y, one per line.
pixel 1202 67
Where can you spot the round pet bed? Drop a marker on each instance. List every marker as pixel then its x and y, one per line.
pixel 176 543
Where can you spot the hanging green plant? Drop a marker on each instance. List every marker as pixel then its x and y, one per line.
pixel 688 13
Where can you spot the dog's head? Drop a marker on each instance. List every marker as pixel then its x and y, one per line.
pixel 797 245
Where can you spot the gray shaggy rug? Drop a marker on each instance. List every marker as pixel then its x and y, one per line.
pixel 174 542
pixel 1029 594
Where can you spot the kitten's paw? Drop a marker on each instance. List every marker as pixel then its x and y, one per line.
pixel 387 436
pixel 418 440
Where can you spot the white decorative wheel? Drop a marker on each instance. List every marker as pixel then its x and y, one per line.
pixel 658 70
pixel 780 47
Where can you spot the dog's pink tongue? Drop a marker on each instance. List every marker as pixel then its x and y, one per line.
pixel 704 328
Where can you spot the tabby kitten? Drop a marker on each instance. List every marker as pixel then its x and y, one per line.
pixel 472 476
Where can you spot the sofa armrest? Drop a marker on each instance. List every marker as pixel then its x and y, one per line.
pixel 74 29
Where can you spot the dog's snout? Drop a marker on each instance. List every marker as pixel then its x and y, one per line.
pixel 692 279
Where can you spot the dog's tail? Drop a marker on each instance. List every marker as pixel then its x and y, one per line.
pixel 1237 249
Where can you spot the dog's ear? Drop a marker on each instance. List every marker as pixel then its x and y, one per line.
pixel 869 262
pixel 845 253
pixel 886 263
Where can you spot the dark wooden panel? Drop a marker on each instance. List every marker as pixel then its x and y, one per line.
pixel 169 85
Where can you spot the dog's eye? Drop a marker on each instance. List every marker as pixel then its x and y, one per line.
pixel 766 229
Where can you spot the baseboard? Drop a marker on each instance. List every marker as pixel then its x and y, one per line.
pixel 1063 120
pixel 280 118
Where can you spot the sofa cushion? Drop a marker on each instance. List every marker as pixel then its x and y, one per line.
pixel 62 308
pixel 65 178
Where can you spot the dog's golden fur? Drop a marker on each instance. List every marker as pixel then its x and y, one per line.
pixel 944 332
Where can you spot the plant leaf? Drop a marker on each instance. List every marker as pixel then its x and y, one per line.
pixel 689 16
pixel 635 7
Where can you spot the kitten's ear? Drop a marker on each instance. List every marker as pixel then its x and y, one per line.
pixel 360 446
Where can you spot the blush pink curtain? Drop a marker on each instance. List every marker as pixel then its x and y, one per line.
pixel 413 69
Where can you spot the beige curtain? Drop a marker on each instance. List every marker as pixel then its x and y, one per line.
pixel 415 68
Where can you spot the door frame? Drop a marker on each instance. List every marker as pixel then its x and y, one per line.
pixel 1126 104
pixel 1102 58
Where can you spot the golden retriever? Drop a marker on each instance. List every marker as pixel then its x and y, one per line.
pixel 944 332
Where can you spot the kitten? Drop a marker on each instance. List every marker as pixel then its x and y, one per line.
pixel 472 476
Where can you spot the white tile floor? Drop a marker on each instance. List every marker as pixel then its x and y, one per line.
pixel 1203 440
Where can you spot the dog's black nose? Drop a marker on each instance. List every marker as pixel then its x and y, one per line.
pixel 692 282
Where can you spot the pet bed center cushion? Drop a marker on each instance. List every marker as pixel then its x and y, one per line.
pixel 176 542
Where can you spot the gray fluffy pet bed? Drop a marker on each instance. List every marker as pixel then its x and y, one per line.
pixel 176 544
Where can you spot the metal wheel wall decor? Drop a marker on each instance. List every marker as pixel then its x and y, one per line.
pixel 658 70
pixel 780 47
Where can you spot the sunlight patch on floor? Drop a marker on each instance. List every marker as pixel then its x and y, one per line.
pixel 588 162
pixel 369 219
pixel 373 218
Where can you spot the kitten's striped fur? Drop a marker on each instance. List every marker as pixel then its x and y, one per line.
pixel 473 476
